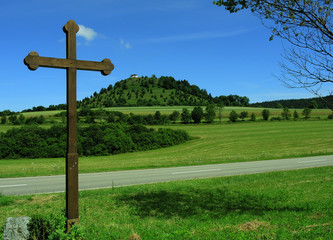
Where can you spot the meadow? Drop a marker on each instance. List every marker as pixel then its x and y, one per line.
pixel 279 205
pixel 215 143
pixel 323 113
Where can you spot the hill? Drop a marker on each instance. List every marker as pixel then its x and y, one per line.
pixel 322 103
pixel 153 91
pixel 150 91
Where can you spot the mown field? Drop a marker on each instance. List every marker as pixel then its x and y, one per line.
pixel 279 205
pixel 216 143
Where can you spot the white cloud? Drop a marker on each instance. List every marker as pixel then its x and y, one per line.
pixel 88 33
pixel 125 44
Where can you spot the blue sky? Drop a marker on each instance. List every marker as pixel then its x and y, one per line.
pixel 194 40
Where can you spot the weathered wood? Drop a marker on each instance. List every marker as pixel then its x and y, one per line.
pixel 34 61
pixel 71 64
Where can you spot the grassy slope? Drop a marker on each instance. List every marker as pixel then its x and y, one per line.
pixel 280 205
pixel 217 143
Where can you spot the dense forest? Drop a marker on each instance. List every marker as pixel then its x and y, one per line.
pixel 151 91
pixel 312 103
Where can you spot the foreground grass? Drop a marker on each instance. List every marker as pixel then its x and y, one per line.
pixel 214 144
pixel 279 205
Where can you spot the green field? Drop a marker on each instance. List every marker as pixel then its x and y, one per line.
pixel 216 143
pixel 279 205
pixel 169 109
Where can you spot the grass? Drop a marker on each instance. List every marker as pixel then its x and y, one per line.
pixel 279 205
pixel 217 143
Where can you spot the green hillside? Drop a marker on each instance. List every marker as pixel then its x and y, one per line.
pixel 153 91
pixel 150 91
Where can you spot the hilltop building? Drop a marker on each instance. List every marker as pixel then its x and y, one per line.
pixel 134 76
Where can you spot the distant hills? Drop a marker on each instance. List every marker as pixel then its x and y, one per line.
pixel 322 103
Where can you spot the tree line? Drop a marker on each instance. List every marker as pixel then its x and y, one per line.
pixel 94 140
pixel 312 103
pixel 197 115
pixel 286 114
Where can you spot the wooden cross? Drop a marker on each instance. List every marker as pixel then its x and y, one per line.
pixel 71 64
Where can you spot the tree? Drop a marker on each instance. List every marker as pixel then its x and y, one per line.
pixel 21 118
pixel 3 118
pixel 243 115
pixel 253 117
pixel 174 116
pixel 197 114
pixel 295 115
pixel 220 107
pixel 279 105
pixel 185 116
pixel 12 118
pixel 157 116
pixel 210 113
pixel 306 113
pixel 265 114
pixel 313 104
pixel 285 113
pixel 308 26
pixel 233 116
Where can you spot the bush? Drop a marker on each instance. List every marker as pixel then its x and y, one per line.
pixel 253 117
pixel 244 115
pixel 286 114
pixel 233 116
pixel 265 114
pixel 197 114
pixel 306 113
pixel 52 227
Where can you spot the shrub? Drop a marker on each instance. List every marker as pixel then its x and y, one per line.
pixel 286 114
pixel 306 113
pixel 244 115
pixel 210 113
pixel 253 117
pixel 265 114
pixel 185 116
pixel 197 114
pixel 233 116
pixel 52 227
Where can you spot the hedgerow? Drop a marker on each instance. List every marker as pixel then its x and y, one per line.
pixel 94 140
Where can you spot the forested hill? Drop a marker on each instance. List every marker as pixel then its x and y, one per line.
pixel 153 91
pixel 325 102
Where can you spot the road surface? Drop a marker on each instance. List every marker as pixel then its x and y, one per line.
pixel 48 184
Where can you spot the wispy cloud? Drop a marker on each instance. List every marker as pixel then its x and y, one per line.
pixel 198 36
pixel 88 33
pixel 125 44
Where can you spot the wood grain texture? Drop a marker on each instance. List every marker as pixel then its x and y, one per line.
pixel 71 64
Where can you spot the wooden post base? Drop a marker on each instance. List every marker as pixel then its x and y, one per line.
pixel 70 224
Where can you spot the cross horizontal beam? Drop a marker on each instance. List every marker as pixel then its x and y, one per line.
pixel 33 61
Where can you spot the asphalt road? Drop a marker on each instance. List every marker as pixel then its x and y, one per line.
pixel 48 184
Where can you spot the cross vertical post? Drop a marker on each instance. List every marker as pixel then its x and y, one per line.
pixel 71 64
pixel 72 176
